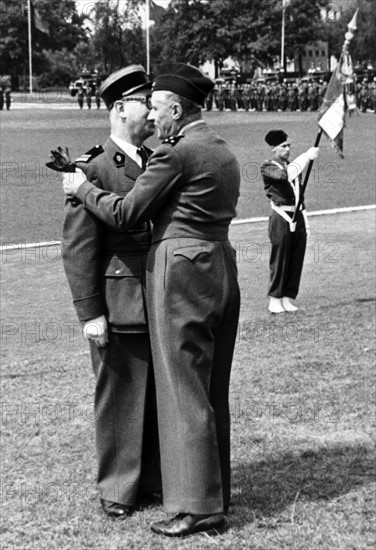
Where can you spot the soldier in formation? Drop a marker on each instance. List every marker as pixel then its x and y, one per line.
pixel 300 95
pixel 80 98
pixel 265 96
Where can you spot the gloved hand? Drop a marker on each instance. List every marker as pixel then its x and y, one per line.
pixel 313 153
pixel 72 181
pixel 95 330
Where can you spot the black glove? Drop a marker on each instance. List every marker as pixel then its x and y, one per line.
pixel 61 161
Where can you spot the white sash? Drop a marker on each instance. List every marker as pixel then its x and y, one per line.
pixel 284 216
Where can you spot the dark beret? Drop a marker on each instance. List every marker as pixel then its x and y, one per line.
pixel 124 82
pixel 276 137
pixel 184 80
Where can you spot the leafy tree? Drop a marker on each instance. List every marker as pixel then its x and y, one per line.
pixel 195 31
pixel 62 65
pixel 363 45
pixel 65 24
pixel 247 30
pixel 117 36
pixel 13 38
pixel 304 24
pixel 59 16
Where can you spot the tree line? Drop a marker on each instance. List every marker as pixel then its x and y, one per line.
pixel 109 34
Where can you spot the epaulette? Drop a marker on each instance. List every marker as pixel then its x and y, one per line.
pixel 173 140
pixel 90 155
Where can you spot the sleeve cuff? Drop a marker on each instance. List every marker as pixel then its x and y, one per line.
pixel 83 190
pixel 89 308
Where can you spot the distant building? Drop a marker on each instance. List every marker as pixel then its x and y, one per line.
pixel 314 57
pixel 335 9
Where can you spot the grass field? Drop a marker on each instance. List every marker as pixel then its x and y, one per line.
pixel 27 135
pixel 303 385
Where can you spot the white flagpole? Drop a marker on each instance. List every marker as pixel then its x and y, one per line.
pixel 282 63
pixel 30 51
pixel 147 16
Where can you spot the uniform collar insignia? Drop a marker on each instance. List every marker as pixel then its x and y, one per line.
pixel 173 140
pixel 119 158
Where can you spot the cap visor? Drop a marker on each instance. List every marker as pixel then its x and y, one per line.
pixel 146 86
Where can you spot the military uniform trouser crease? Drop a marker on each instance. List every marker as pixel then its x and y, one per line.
pixel 193 305
pixel 287 256
pixel 125 417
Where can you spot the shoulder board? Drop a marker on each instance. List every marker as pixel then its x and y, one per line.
pixel 173 140
pixel 90 155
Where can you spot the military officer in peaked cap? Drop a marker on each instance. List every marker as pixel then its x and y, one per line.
pixel 189 190
pixel 105 269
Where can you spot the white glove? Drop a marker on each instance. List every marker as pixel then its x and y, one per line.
pixel 72 181
pixel 95 330
pixel 313 153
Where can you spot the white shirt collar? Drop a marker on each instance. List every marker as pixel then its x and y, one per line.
pixel 128 148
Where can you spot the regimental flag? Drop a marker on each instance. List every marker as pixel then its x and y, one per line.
pixel 339 98
pixel 156 12
pixel 38 21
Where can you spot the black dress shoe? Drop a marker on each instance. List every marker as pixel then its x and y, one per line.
pixel 184 525
pixel 116 510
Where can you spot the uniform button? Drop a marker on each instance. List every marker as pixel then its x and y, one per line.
pixel 117 271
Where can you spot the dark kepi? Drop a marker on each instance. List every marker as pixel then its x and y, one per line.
pixel 124 82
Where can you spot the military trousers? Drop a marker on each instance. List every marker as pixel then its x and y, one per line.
pixel 286 255
pixel 125 418
pixel 193 306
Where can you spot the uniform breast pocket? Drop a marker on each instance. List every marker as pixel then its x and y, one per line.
pixel 124 292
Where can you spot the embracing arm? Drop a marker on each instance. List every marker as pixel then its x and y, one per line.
pixel 143 202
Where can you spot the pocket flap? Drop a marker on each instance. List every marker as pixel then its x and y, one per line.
pixel 191 252
pixel 124 266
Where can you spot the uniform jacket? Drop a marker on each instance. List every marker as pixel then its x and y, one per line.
pixel 182 192
pixel 189 190
pixel 105 268
pixel 276 183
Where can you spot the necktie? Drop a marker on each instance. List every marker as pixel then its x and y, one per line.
pixel 144 157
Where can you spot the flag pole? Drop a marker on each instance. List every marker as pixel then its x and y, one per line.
pixel 147 16
pixel 348 36
pixel 282 62
pixel 30 50
pixel 306 177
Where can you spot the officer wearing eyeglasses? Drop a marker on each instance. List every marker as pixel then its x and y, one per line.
pixel 105 269
pixel 190 190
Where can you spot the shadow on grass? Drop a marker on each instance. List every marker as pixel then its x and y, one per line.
pixel 266 488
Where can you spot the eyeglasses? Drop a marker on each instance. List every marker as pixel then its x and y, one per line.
pixel 145 99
